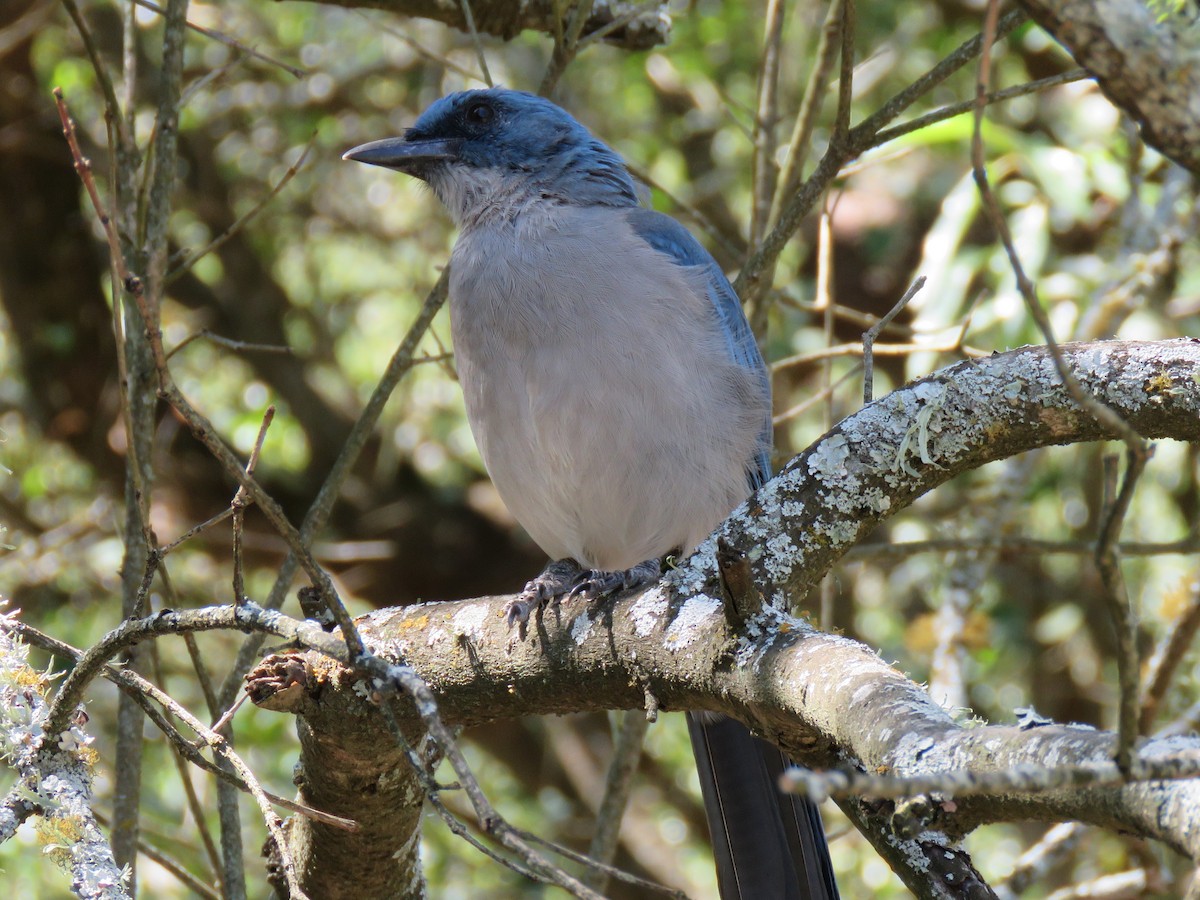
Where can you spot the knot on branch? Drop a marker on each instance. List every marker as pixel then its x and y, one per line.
pixel 742 600
pixel 279 682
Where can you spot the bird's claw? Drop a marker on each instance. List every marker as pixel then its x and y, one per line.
pixel 554 581
pixel 593 584
pixel 565 580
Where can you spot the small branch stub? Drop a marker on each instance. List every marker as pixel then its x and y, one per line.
pixel 278 683
pixel 742 599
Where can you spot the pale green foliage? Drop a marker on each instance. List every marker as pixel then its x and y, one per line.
pixel 355 250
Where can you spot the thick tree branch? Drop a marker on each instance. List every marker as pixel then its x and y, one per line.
pixel 825 699
pixel 1147 65
pixel 881 459
pixel 630 25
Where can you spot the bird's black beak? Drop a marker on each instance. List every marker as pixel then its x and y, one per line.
pixel 405 154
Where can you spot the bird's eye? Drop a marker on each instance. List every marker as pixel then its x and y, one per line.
pixel 480 113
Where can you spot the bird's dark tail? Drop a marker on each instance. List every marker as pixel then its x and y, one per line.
pixel 768 845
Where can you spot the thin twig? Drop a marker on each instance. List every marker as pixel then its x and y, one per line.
pixel 241 500
pixel 460 830
pixel 1105 555
pixel 476 41
pixel 246 217
pixel 318 513
pixel 1098 410
pixel 869 336
pixel 966 106
pixel 162 159
pixel 193 531
pixel 237 45
pixel 203 678
pixel 379 23
pixel 820 397
pixel 189 790
pixel 83 167
pixel 1120 608
pixel 221 863
pixel 731 244
pixel 226 717
pixel 566 46
pixel 760 301
pixel 627 751
pixel 806 119
pixel 112 107
pixel 229 343
pixel 755 276
pixel 609 870
pixel 855 349
pixel 209 77
pixel 849 314
pixel 841 124
pixel 1167 660
pixel 766 117
pixel 126 157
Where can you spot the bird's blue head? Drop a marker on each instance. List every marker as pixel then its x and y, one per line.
pixel 502 148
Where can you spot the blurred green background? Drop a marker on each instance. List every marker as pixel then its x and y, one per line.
pixel 335 268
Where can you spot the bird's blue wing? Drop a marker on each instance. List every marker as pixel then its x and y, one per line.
pixel 667 236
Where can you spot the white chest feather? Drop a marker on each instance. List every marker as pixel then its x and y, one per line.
pixel 598 386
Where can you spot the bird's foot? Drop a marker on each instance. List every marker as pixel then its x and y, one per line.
pixel 564 579
pixel 556 579
pixel 593 584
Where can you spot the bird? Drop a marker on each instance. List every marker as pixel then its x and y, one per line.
pixel 619 402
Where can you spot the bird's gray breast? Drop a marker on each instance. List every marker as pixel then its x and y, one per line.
pixel 598 387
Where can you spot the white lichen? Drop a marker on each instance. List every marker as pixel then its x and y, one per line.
pixel 648 611
pixel 469 621
pixel 581 627
pixel 688 625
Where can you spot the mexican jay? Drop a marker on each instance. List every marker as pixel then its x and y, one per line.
pixel 618 399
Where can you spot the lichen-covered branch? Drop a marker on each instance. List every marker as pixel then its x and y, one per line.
pixel 1146 63
pixel 826 699
pixel 882 458
pixel 625 23
pixel 54 777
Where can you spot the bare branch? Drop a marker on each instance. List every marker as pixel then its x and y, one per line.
pixel 244 219
pixel 627 751
pixel 240 501
pixel 869 336
pixel 1138 452
pixel 1166 661
pixel 469 20
pixel 402 360
pixel 755 277
pixel 806 118
pixel 631 25
pixel 232 43
pixel 766 119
